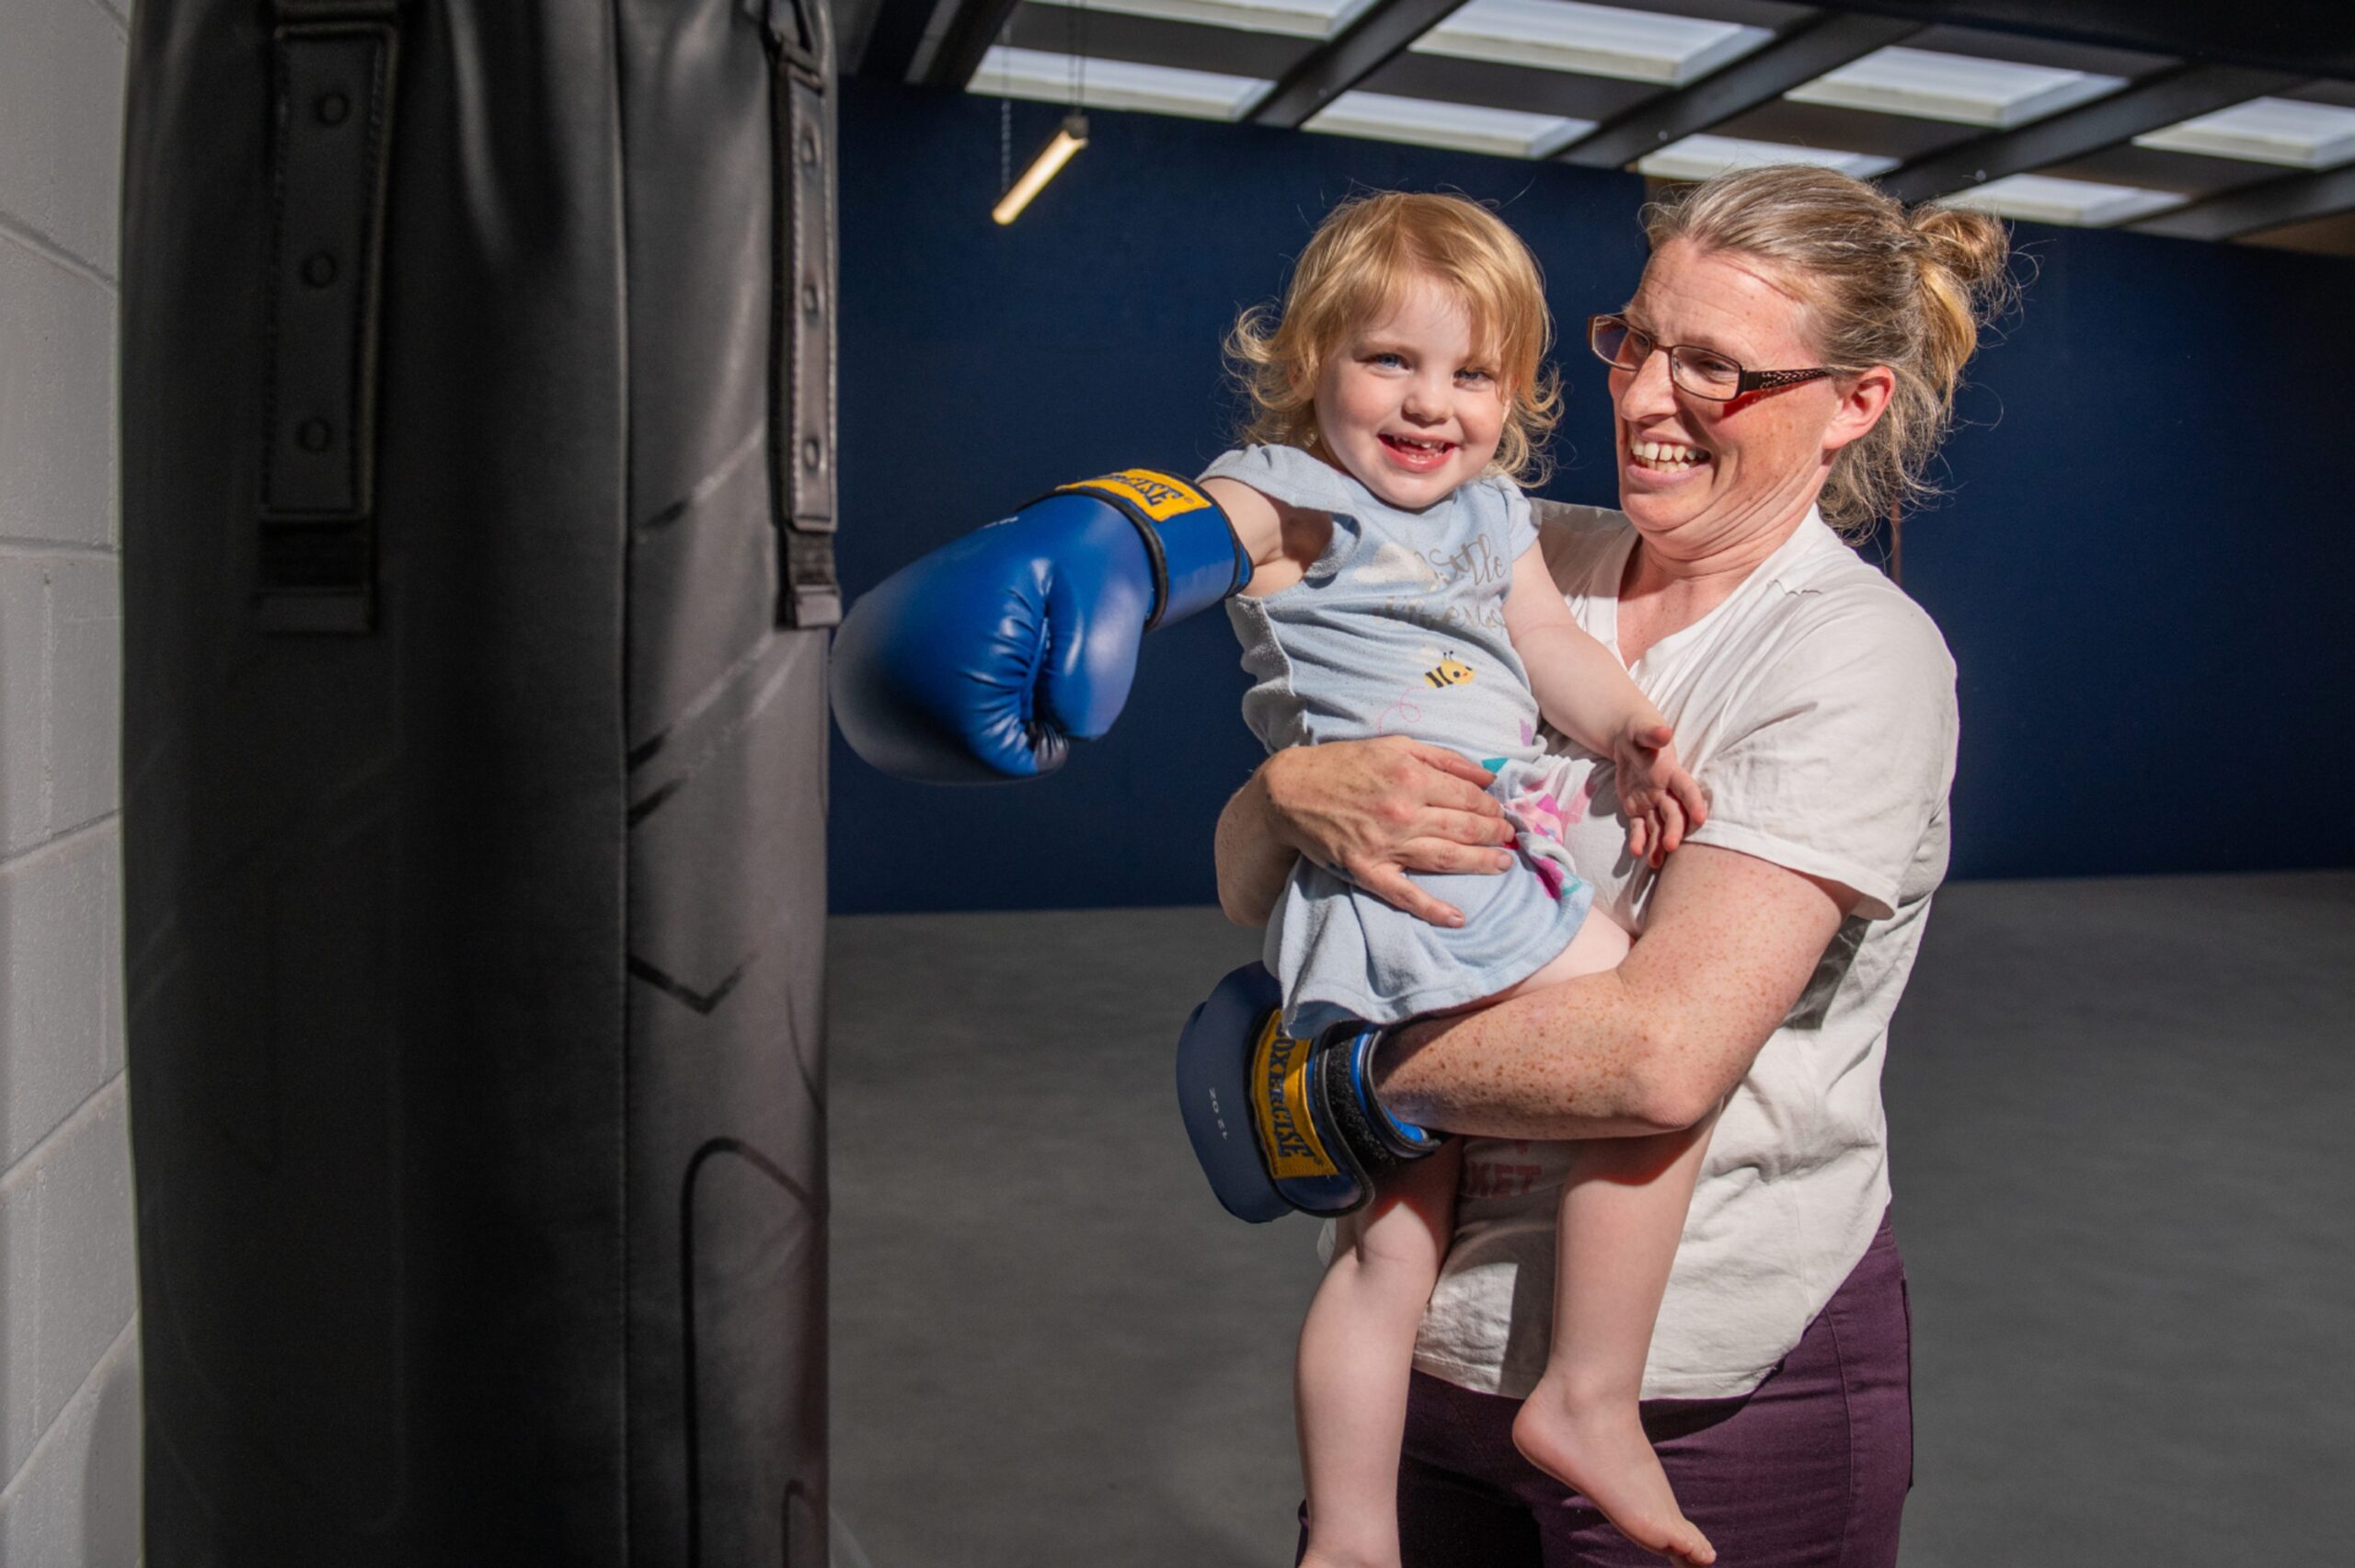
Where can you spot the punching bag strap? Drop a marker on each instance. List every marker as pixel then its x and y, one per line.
pixel 332 72
pixel 802 387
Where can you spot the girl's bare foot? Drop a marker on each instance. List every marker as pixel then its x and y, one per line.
pixel 1598 1447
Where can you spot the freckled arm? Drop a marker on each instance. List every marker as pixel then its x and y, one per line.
pixel 1650 1046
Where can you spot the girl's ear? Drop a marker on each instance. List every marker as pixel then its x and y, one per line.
pixel 1303 376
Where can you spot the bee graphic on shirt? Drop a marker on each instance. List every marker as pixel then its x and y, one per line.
pixel 1404 713
pixel 1449 671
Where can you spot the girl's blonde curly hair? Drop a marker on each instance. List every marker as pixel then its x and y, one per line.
pixel 1357 267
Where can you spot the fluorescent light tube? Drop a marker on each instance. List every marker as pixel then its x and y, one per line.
pixel 1069 138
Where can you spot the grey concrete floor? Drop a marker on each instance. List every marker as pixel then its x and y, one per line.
pixel 2117 1115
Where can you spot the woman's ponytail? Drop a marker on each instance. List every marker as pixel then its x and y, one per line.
pixel 1962 257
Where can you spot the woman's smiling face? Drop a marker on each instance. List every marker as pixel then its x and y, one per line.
pixel 1698 477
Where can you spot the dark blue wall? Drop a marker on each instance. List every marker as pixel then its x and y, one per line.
pixel 2148 515
pixel 2143 571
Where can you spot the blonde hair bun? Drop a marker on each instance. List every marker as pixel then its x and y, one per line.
pixel 1973 248
pixel 1964 258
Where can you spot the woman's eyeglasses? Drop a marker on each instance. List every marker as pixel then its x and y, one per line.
pixel 1704 372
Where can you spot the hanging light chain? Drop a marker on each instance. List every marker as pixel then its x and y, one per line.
pixel 1005 106
pixel 1068 139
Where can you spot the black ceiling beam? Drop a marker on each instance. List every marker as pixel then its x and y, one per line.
pixel 1807 52
pixel 2165 99
pixel 1363 48
pixel 2253 207
pixel 892 42
pixel 970 30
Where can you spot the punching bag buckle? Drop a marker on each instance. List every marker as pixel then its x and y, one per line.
pixel 333 64
pixel 801 321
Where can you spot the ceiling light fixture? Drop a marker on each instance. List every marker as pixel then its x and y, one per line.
pixel 1069 138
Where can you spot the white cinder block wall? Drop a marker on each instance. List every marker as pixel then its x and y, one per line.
pixel 69 1369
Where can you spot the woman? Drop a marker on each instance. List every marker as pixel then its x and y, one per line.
pixel 1787 367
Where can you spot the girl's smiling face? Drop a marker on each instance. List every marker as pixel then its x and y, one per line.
pixel 1411 404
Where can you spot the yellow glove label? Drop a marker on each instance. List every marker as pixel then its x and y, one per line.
pixel 1159 496
pixel 1280 1100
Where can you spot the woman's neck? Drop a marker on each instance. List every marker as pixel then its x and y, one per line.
pixel 1665 589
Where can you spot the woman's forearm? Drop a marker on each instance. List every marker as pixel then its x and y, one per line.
pixel 1587 1058
pixel 1646 1048
pixel 1253 859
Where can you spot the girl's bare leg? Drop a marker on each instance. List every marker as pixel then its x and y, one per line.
pixel 1622 1211
pixel 1356 1353
pixel 1622 1215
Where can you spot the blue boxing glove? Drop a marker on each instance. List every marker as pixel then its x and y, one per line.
pixel 986 659
pixel 1280 1123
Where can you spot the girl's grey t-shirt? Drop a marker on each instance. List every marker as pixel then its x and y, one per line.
pixel 1818 704
pixel 1398 628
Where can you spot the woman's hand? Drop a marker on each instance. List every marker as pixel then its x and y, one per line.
pixel 1660 801
pixel 1372 810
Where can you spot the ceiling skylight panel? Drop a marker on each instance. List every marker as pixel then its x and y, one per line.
pixel 1295 18
pixel 1502 131
pixel 2265 130
pixel 1594 40
pixel 2046 199
pixel 1958 88
pixel 1116 84
pixel 1699 157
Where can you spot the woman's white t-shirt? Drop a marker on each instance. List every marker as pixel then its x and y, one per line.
pixel 1817 703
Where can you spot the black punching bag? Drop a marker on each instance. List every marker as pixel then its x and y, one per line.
pixel 477 500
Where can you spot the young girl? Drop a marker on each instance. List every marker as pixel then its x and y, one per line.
pixel 1398 399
